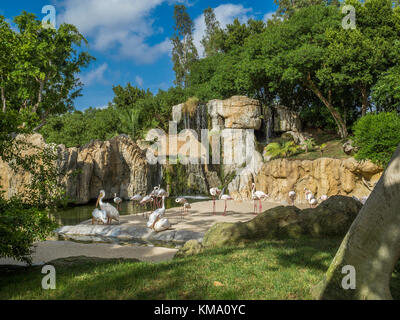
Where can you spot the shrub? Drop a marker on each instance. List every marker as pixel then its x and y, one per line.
pixel 20 226
pixel 309 145
pixel 277 150
pixel 377 136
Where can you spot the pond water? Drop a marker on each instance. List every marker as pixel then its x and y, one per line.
pixel 74 215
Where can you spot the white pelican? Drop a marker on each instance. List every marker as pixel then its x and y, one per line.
pixel 156 215
pixel 111 212
pixel 225 197
pixel 258 194
pixel 215 192
pixel 99 216
pixel 117 201
pixel 292 196
pixel 161 225
pixel 161 193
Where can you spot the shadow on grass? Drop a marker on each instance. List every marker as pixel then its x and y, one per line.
pixel 240 268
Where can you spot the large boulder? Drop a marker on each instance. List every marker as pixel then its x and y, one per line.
pixel 117 166
pixel 331 218
pixel 237 112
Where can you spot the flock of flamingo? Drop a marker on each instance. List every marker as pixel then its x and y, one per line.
pixel 156 199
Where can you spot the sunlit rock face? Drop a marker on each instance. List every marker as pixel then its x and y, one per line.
pixel 238 112
pixel 324 176
pixel 116 166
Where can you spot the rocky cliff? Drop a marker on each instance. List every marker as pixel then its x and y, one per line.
pixel 117 166
pixel 322 176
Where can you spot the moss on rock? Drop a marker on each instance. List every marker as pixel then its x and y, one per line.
pixel 332 218
pixel 190 248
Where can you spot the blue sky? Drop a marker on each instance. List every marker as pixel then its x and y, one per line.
pixel 130 38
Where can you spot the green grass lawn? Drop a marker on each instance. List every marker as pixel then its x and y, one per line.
pixel 262 270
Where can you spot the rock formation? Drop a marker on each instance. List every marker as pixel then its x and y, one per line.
pixel 322 176
pixel 332 218
pixel 117 166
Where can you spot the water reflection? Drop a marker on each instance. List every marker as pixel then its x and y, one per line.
pixel 75 215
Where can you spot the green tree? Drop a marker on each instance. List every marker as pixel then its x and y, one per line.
pixel 293 55
pixel 39 73
pixel 212 34
pixel 184 52
pixel 356 58
pixel 286 8
pixel 386 91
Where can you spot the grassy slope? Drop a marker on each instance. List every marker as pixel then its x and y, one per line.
pixel 333 147
pixel 263 270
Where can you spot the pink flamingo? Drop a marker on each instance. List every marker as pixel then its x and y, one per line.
pixel 225 197
pixel 215 192
pixel 258 194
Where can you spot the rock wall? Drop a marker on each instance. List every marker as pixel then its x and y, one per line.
pixel 117 166
pixel 322 176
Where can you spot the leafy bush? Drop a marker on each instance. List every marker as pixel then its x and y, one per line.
pixel 278 150
pixel 20 226
pixel 24 219
pixel 377 136
pixel 309 145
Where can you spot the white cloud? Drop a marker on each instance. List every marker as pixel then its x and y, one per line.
pixel 225 14
pixel 268 16
pixel 101 107
pixel 96 75
pixel 119 25
pixel 139 81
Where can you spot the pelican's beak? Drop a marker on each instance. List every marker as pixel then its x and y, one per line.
pixel 97 202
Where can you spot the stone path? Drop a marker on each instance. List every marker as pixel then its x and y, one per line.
pixel 51 250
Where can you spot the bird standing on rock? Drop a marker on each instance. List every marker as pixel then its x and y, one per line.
pixel 111 212
pixel 99 216
pixel 156 215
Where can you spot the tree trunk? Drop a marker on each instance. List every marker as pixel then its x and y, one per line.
pixel 364 103
pixel 372 244
pixel 336 115
pixel 3 99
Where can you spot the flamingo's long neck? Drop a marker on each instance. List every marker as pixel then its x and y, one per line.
pixel 253 189
pixel 163 203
